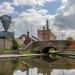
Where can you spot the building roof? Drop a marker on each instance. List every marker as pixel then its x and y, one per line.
pixel 35 38
pixel 23 35
pixel 6 34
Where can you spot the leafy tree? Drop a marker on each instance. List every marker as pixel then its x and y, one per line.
pixel 70 39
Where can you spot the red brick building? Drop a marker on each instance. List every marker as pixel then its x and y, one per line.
pixel 46 34
pixel 71 45
pixel 24 39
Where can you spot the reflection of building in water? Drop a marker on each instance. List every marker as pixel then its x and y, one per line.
pixel 33 71
pixel 36 67
pixel 44 71
pixel 6 68
pixel 23 69
pixel 63 72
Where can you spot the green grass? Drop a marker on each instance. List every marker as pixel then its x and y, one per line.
pixel 7 51
pixel 26 52
pixel 4 50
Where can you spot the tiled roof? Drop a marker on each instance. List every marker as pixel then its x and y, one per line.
pixel 22 36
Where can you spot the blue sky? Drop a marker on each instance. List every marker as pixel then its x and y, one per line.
pixel 53 6
pixel 50 6
pixel 33 14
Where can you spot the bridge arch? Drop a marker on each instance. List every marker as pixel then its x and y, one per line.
pixel 46 49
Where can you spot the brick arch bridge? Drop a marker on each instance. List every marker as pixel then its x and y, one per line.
pixel 42 46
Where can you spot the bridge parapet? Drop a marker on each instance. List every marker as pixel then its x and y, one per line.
pixel 60 45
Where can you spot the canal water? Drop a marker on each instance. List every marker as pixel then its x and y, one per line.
pixel 41 65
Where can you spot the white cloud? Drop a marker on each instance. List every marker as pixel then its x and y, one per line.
pixel 43 11
pixel 62 20
pixel 6 8
pixel 66 15
pixel 67 7
pixel 64 1
pixel 31 20
pixel 31 2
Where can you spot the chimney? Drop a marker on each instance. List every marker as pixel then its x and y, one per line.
pixel 28 33
pixel 47 24
pixel 43 27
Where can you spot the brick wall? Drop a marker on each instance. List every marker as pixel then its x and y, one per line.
pixel 45 35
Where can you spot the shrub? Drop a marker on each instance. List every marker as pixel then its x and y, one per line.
pixel 15 45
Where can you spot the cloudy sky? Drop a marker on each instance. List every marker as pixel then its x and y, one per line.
pixel 29 15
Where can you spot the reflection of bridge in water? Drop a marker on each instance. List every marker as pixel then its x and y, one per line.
pixel 46 67
pixel 43 66
pixel 46 62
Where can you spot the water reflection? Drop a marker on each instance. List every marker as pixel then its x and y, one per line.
pixel 41 65
pixel 35 71
pixel 22 69
pixel 30 71
pixel 63 72
pixel 19 72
